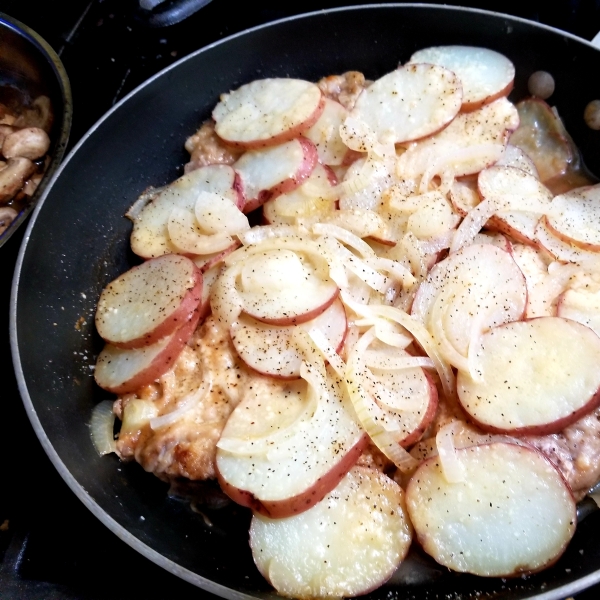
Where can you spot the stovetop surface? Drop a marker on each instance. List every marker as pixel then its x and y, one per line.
pixel 51 546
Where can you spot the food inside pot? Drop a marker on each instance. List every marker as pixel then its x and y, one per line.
pixel 25 125
pixel 370 310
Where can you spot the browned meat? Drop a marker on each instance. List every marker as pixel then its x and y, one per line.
pixel 575 451
pixel 207 148
pixel 187 447
pixel 343 88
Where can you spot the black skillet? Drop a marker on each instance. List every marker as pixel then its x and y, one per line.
pixel 77 241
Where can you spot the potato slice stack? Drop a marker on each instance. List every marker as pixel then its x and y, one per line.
pixel 409 257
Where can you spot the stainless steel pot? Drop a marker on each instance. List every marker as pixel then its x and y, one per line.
pixel 29 64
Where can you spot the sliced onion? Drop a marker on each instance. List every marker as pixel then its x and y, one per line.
pixel 184 234
pixel 358 290
pixel 436 328
pixel 217 214
pixel 452 468
pixel 375 280
pixel 376 169
pixel 352 337
pixel 390 335
pixel 143 199
pixel 345 236
pixel 137 413
pixel 412 249
pixel 472 224
pixel 260 233
pixel 405 204
pixel 355 184
pixel 262 444
pixel 383 361
pixel 335 252
pixel 394 268
pixel 474 341
pixel 186 404
pixel 439 243
pixel 338 274
pixel 313 372
pixel 315 375
pixel 102 428
pixel 417 330
pixel 387 441
pixel 369 381
pixel 293 243
pixel 447 180
pixel 328 351
pixel 463 436
pixel 362 222
pixel 225 301
pixel 303 207
pixel 385 396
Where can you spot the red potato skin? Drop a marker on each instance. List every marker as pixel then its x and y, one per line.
pixel 311 159
pixel 559 302
pixel 238 188
pixel 293 377
pixel 569 240
pixel 331 177
pixel 546 428
pixel 204 307
pixel 471 106
pixel 352 156
pixel 540 246
pixel 217 258
pixel 548 254
pixel 422 540
pixel 382 240
pixel 384 577
pixel 455 205
pixel 298 319
pixel 496 223
pixel 181 315
pixel 428 417
pixel 285 136
pixel 161 363
pixel 279 509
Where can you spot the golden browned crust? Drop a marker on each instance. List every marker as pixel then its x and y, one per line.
pixel 207 148
pixel 344 88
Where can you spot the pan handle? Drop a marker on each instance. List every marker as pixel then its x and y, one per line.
pixel 596 40
pixel 161 13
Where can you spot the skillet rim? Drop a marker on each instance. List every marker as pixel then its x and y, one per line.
pixel 122 532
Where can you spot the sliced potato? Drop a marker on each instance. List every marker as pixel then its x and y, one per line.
pixel 266 112
pixel 270 349
pixel 341 546
pixel 511 514
pixel 268 172
pixel 138 308
pixel 124 370
pixel 532 377
pixel 294 461
pixel 407 104
pixel 485 74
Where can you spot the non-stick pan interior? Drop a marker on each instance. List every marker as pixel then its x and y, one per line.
pixel 78 241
